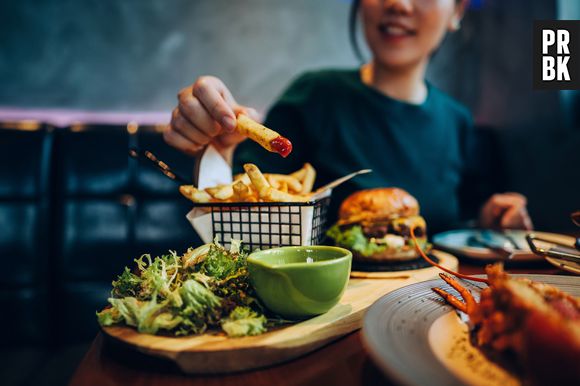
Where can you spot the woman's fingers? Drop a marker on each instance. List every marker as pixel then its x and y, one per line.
pixel 516 216
pixel 192 110
pixel 508 199
pixel 182 126
pixel 510 214
pixel 180 142
pixel 217 100
pixel 506 210
pixel 502 202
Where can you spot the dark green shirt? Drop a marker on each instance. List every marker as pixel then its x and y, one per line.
pixel 340 125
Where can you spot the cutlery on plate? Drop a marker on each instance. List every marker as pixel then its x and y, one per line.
pixel 492 235
pixel 510 239
pixel 503 251
pixel 553 249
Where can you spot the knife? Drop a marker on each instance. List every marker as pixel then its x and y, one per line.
pixel 501 251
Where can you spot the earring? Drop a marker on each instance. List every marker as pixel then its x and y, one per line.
pixel 456 24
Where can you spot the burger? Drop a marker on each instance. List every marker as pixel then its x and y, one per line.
pixel 375 224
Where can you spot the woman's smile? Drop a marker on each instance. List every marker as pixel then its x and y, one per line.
pixel 395 32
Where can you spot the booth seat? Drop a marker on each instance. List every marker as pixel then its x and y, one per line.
pixel 74 210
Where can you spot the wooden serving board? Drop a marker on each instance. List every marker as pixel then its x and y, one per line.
pixel 216 353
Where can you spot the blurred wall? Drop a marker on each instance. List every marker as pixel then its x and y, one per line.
pixel 136 54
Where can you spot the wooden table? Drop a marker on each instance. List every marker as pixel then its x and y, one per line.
pixel 343 362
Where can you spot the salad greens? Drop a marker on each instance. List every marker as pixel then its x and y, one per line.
pixel 243 321
pixel 205 288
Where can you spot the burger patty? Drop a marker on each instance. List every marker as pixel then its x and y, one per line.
pixel 399 226
pixel 378 231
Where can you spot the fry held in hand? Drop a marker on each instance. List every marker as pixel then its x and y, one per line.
pixel 267 138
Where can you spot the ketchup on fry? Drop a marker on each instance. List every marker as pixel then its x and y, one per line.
pixel 282 145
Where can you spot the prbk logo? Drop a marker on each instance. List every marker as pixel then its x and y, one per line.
pixel 557 54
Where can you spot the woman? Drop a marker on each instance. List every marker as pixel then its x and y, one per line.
pixel 383 116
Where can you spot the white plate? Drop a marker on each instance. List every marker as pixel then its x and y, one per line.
pixel 417 339
pixel 458 242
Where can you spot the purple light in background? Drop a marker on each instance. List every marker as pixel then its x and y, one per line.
pixel 476 4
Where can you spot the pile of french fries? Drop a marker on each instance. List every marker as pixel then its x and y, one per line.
pixel 255 186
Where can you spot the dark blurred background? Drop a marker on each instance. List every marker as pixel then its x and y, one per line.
pixel 74 209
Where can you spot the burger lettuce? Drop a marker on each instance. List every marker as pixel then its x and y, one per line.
pixel 354 239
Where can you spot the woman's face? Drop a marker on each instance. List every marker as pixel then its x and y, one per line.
pixel 401 33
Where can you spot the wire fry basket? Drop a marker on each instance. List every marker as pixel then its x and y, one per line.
pixel 262 225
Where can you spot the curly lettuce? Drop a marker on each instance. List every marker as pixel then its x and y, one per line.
pixel 207 287
pixel 244 321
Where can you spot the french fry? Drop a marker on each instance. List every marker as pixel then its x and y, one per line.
pixel 283 187
pixel 267 138
pixel 299 174
pixel 258 179
pixel 276 179
pixel 255 186
pixel 243 192
pixel 224 193
pixel 243 177
pixel 252 198
pixel 213 190
pixel 309 177
pixel 195 195
pixel 274 195
pixel 272 181
pixel 265 190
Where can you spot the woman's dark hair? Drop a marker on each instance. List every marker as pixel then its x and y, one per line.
pixel 352 22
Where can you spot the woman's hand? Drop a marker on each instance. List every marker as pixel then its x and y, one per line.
pixel 506 211
pixel 206 113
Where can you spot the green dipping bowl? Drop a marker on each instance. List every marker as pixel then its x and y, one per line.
pixel 299 282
